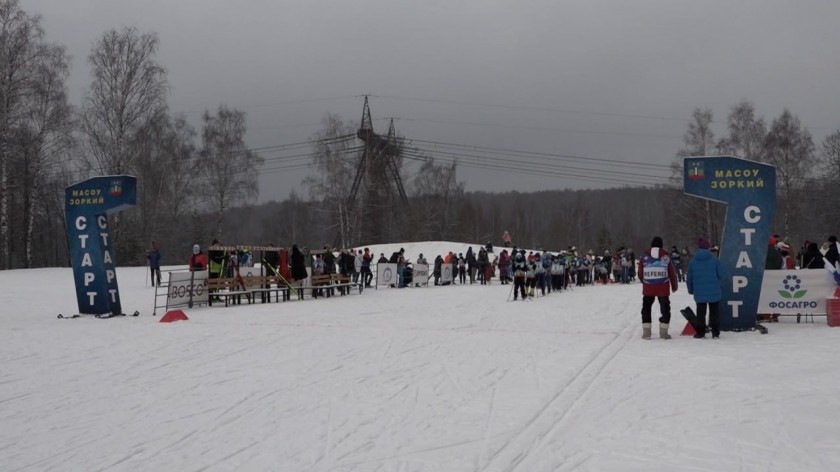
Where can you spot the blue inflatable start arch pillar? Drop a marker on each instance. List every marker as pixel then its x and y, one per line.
pixel 87 206
pixel 748 189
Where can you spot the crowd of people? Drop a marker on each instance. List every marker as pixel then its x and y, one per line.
pixel 541 272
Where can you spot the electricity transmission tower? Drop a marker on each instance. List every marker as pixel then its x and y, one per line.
pixel 377 202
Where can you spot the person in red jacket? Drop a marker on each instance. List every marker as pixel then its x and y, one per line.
pixel 198 261
pixel 659 279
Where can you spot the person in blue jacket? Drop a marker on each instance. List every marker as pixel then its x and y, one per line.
pixel 703 279
pixel 153 255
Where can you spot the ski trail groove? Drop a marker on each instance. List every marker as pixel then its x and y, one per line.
pixel 531 436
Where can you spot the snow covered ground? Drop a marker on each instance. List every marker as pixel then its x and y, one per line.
pixel 431 379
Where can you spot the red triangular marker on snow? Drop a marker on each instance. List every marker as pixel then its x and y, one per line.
pixel 688 330
pixel 174 315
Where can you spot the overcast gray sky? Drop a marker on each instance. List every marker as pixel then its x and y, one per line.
pixel 606 80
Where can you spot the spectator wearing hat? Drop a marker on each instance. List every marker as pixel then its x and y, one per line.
pixel 787 259
pixel 658 281
pixel 703 280
pixel 774 259
pixel 218 260
pixel 198 261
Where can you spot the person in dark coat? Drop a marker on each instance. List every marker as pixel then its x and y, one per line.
pixel 472 264
pixel 298 264
pixel 153 255
pixel 774 258
pixel 656 274
pixel 812 258
pixel 298 268
pixel 395 256
pixel 832 255
pixel 703 280
pixel 272 260
pixel 520 266
pixel 329 261
pixel 437 270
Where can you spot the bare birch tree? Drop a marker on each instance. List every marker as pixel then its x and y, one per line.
pixel 21 46
pixel 790 148
pixel 335 159
pixel 128 89
pixel 168 167
pixel 746 133
pixel 45 133
pixel 437 194
pixel 698 216
pixel 830 179
pixel 228 166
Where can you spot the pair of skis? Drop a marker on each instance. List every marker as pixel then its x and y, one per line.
pixel 103 316
pixel 285 282
pixel 691 317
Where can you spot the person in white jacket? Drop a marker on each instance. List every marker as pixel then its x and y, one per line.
pixel 357 266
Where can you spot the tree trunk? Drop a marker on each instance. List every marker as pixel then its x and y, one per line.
pixel 31 204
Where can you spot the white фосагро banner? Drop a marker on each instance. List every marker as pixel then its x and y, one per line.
pixel 795 291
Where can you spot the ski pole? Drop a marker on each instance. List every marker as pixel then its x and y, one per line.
pixel 511 291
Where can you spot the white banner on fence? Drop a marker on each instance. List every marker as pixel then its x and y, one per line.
pixel 446 273
pixel 386 274
pixel 180 286
pixel 795 291
pixel 421 274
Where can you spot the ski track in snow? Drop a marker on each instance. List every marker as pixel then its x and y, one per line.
pixel 428 379
pixel 528 440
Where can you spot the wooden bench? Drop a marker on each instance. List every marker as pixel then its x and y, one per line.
pixel 328 282
pixel 265 285
pixel 228 288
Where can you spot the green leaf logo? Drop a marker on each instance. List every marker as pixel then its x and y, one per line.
pixel 800 294
pixel 784 294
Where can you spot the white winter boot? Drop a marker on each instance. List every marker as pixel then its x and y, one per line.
pixel 645 330
pixel 663 331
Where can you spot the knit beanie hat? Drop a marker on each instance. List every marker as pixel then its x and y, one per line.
pixel 703 243
pixel 657 242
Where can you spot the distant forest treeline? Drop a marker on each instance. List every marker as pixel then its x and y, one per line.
pixel 194 185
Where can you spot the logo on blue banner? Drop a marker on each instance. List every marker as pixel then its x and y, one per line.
pixel 748 188
pixel 87 206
